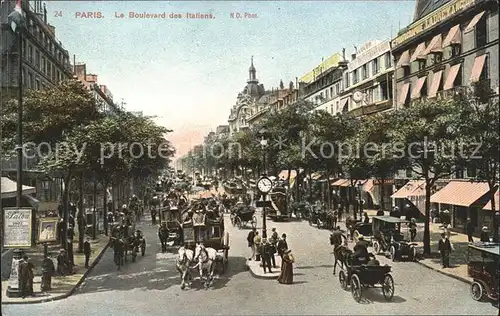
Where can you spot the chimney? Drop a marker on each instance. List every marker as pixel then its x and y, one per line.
pixel 353 56
pixel 44 14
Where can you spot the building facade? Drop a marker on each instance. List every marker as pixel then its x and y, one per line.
pixel 45 61
pixel 368 80
pixel 447 50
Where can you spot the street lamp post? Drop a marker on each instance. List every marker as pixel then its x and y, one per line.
pixel 263 144
pixel 496 223
pixel 16 22
pixel 360 200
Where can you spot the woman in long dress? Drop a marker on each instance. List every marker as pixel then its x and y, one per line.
pixel 286 276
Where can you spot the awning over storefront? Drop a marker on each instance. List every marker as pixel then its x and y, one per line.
pixel 450 79
pixel 436 80
pixel 477 68
pixel 404 60
pixel 9 188
pixel 404 92
pixel 316 175
pixel 340 183
pixel 454 36
pixel 488 205
pixel 412 188
pixel 473 22
pixel 435 46
pixel 284 174
pixel 418 87
pixel 368 185
pixel 461 193
pixel 418 53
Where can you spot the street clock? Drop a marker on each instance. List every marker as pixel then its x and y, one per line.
pixel 264 185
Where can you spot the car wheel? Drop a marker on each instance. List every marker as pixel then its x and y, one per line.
pixel 376 247
pixel 477 291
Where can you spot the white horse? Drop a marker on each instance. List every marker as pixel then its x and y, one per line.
pixel 185 260
pixel 206 262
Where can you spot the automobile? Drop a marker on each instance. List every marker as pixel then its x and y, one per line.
pixel 483 268
pixel 387 238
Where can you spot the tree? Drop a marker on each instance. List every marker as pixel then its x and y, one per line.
pixel 427 131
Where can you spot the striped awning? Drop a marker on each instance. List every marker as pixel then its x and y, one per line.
pixel 461 193
pixel 9 188
pixel 316 175
pixel 341 182
pixel 412 188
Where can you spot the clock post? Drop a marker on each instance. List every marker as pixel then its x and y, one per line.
pixel 264 185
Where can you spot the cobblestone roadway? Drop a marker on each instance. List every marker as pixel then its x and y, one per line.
pixel 151 287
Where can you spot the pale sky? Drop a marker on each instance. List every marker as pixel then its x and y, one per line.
pixel 188 72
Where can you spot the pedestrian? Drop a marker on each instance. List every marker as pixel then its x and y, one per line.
pixel 62 263
pixel 286 275
pixel 335 218
pixel 86 252
pixel 48 270
pixel 266 255
pixel 470 230
pixel 413 229
pixel 445 248
pixel 339 212
pixel 282 246
pixel 274 246
pixel 257 241
pixel 70 236
pixel 485 237
pixel 250 238
pixel 26 275
pixel 163 236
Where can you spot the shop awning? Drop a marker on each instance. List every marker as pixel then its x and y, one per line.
pixel 450 79
pixel 461 193
pixel 284 174
pixel 473 22
pixel 488 205
pixel 418 53
pixel 316 175
pixel 404 93
pixel 368 185
pixel 454 36
pixel 9 188
pixel 436 80
pixel 477 68
pixel 404 59
pixel 412 188
pixel 435 46
pixel 340 183
pixel 418 87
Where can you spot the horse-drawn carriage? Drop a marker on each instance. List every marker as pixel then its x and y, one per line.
pixel 124 243
pixel 242 214
pixel 483 267
pixel 387 236
pixel 202 228
pixel 278 211
pixel 360 277
pixel 172 217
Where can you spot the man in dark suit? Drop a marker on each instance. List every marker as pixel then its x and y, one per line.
pixel 444 247
pixel 86 251
pixel 266 254
pixel 470 230
pixel 250 238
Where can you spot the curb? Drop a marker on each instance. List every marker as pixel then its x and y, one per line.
pixel 456 277
pixel 71 291
pixel 262 277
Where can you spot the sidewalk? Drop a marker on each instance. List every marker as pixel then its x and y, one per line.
pixel 257 271
pixel 62 286
pixel 458 258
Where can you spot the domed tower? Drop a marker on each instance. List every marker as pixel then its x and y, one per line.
pixel 252 88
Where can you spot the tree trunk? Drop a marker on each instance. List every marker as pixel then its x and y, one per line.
pixel 298 186
pixel 65 201
pixel 310 185
pixel 105 204
pixel 329 188
pixel 353 198
pixel 493 190
pixel 81 226
pixel 382 193
pixel 427 232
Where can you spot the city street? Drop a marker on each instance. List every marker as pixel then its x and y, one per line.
pixel 151 286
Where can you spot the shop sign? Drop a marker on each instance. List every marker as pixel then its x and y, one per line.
pixel 432 19
pixel 17 227
pixel 369 54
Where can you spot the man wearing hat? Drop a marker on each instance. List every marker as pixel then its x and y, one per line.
pixel 266 254
pixel 485 237
pixel 273 244
pixel 282 246
pixel 62 262
pixel 87 251
pixel 361 251
pixel 469 229
pixel 444 247
pixel 163 236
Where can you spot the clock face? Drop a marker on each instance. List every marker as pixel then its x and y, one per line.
pixel 358 96
pixel 265 185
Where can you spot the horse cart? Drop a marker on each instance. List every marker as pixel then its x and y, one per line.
pixel 278 212
pixel 483 267
pixel 208 230
pixel 387 237
pixel 242 214
pixel 361 277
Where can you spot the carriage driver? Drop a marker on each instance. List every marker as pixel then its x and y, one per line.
pixel 360 255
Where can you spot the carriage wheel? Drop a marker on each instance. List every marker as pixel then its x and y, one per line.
pixel 254 222
pixel 392 250
pixel 477 291
pixel 376 247
pixel 413 253
pixel 343 280
pixel 232 219
pixel 388 287
pixel 356 288
pixel 239 223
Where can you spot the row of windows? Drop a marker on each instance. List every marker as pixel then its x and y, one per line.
pixel 39 61
pixel 32 81
pixel 47 41
pixel 369 69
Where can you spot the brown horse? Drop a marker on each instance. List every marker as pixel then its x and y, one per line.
pixel 342 254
